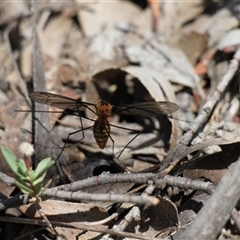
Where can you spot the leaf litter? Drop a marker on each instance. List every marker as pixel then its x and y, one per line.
pixel 120 59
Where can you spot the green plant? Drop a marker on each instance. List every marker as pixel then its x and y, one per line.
pixel 27 180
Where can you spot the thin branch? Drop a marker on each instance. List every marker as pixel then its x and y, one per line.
pixel 203 114
pixel 6 179
pixel 67 191
pixel 218 208
pixel 75 226
pixel 134 213
pixel 14 201
pixel 107 197
pixel 138 178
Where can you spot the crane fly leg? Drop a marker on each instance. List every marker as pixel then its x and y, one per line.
pixel 68 138
pixel 111 140
pixel 138 133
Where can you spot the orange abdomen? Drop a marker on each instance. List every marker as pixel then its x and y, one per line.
pixel 101 132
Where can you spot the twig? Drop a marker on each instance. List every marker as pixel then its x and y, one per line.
pixel 14 201
pixel 106 178
pixel 134 213
pixel 103 221
pixel 218 208
pixel 236 218
pixel 203 114
pixel 186 183
pixel 6 179
pixel 138 178
pixel 108 197
pixel 44 217
pixel 65 191
pixel 72 225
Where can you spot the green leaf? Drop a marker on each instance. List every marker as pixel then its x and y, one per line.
pixel 23 176
pixel 40 172
pixel 31 175
pixel 37 187
pixel 17 166
pixel 38 180
pixel 10 158
pixel 23 187
pixel 42 167
pixel 22 169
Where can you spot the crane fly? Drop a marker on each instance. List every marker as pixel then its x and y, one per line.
pixel 103 110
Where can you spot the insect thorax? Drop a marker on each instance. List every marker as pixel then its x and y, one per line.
pixel 104 109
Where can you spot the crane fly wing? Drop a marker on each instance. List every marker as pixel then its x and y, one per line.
pixel 58 101
pixel 146 109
